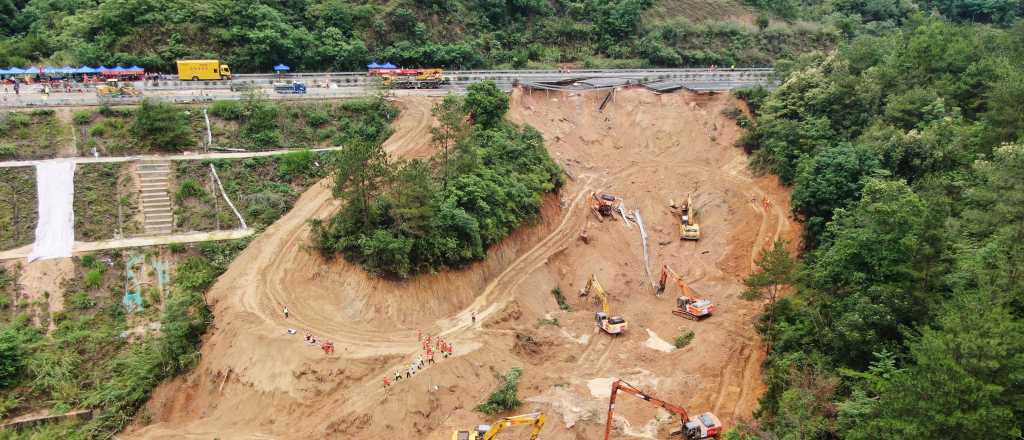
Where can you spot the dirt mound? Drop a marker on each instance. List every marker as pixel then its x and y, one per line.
pixel 255 380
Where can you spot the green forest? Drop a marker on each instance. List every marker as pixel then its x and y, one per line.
pixel 318 35
pixel 416 216
pixel 906 312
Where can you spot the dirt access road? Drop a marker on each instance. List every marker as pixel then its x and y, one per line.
pixel 257 381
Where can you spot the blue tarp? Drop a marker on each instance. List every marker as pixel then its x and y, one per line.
pixel 281 67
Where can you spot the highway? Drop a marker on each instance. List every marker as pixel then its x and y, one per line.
pixel 349 84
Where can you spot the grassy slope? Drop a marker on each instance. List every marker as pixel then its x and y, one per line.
pixel 17 190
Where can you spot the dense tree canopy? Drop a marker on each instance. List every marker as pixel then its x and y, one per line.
pixel 905 159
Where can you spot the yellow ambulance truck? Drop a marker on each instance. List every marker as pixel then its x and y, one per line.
pixel 206 70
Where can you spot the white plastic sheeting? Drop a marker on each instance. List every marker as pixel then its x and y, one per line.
pixel 55 232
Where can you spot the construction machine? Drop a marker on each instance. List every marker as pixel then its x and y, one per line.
pixel 612 325
pixel 413 78
pixel 114 88
pixel 688 305
pixel 701 427
pixel 488 432
pixel 603 205
pixel 688 227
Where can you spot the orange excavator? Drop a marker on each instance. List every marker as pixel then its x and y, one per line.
pixel 701 427
pixel 688 305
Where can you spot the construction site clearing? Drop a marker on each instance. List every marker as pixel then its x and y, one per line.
pixel 257 378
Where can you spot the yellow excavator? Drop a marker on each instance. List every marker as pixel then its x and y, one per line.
pixel 612 325
pixel 689 229
pixel 488 432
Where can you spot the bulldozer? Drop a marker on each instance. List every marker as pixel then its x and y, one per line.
pixel 603 205
pixel 114 88
pixel 701 427
pixel 688 227
pixel 688 305
pixel 488 432
pixel 612 325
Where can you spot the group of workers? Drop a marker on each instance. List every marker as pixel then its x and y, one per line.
pixel 430 345
pixel 326 346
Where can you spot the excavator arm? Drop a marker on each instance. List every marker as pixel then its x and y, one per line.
pixel 594 286
pixel 663 280
pixel 535 419
pixel 620 385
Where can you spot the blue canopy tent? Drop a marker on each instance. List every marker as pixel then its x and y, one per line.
pixel 281 68
pixel 388 66
pixel 17 71
pixel 373 65
pixel 5 71
pixel 67 69
pixel 86 69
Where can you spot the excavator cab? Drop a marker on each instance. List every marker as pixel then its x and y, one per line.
pixel 611 324
pixel 489 432
pixel 701 427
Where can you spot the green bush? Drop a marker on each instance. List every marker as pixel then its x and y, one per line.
pixel 162 126
pixel 99 130
pixel 94 278
pixel 318 118
pixel 82 117
pixel 560 298
pixel 191 188
pixel 504 398
pixel 296 164
pixel 81 301
pixel 18 120
pixel 227 110
pixel 684 339
pixel 8 150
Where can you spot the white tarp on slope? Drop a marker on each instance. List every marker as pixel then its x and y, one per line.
pixel 55 232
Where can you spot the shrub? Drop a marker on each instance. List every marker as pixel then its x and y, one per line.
pixel 504 398
pixel 162 126
pixel 317 118
pixel 684 339
pixel 295 164
pixel 98 130
pixel 18 120
pixel 560 298
pixel 190 188
pixel 82 117
pixel 81 301
pixel 93 278
pixel 8 150
pixel 227 110
pixel 548 321
pixel 89 261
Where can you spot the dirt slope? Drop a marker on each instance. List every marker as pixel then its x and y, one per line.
pixel 257 381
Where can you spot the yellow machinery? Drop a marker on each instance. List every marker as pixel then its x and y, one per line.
pixel 113 88
pixel 688 305
pixel 612 325
pixel 413 78
pixel 488 432
pixel 688 227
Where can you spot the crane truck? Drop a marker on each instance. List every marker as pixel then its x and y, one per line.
pixel 413 78
pixel 612 325
pixel 701 427
pixel 688 305
pixel 488 432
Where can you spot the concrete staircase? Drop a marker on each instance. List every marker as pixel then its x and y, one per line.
pixel 158 218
